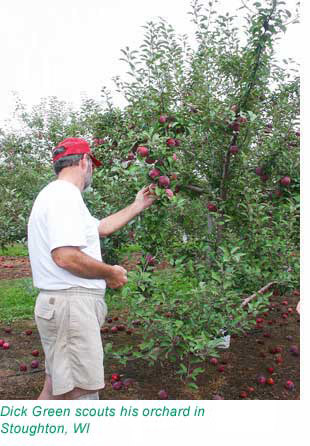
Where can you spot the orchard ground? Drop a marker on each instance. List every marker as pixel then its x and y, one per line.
pixel 267 346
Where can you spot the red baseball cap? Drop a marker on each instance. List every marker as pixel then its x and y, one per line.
pixel 74 146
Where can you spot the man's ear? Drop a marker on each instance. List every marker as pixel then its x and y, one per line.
pixel 84 160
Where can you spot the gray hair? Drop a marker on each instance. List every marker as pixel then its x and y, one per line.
pixel 67 161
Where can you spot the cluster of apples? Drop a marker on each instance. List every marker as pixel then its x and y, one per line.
pixel 22 367
pixel 284 181
pixel 118 383
pixel 163 183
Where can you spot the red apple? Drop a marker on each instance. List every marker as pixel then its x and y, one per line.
pixel 2 341
pixel 35 353
pixel 278 193
pixel 289 385
pixel 115 376
pixel 213 361
pixel 171 142
pixel 131 156
pixel 149 160
pixel 121 327
pixel 23 367
pixel 150 260
pixel 163 181
pixel 104 329
pixel 6 346
pixel 270 381
pixel 154 173
pixel 279 359
pixel 261 379
pixel 270 369
pixel 169 193
pixel 162 119
pixel 233 150
pixel 114 329
pixel 243 394
pixel 163 395
pixel 235 126
pixel 34 364
pixel 28 332
pixel 211 207
pixel 143 151
pixel 294 350
pixel 285 181
pixel 221 368
pixel 117 385
pixel 8 329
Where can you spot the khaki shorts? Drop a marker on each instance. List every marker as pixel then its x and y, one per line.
pixel 69 324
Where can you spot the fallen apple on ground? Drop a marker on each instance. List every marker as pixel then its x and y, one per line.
pixel 34 364
pixel 118 385
pixel 163 395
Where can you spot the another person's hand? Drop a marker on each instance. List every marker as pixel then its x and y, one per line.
pixel 297 308
pixel 145 198
pixel 117 277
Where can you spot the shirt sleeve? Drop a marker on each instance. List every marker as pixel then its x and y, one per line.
pixel 66 222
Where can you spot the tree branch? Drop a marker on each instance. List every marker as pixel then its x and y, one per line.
pixel 261 291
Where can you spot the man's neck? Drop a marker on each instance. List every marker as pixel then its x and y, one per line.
pixel 72 175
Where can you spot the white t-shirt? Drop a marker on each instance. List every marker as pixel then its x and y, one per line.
pixel 59 217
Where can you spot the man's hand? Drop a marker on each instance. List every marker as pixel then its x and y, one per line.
pixel 145 198
pixel 117 277
pixel 114 222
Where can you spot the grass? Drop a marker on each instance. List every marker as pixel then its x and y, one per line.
pixel 15 250
pixel 17 299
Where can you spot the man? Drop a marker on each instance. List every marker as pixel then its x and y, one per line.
pixel 67 267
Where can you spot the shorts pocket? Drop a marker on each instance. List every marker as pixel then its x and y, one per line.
pixel 43 310
pixel 45 317
pixel 101 311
